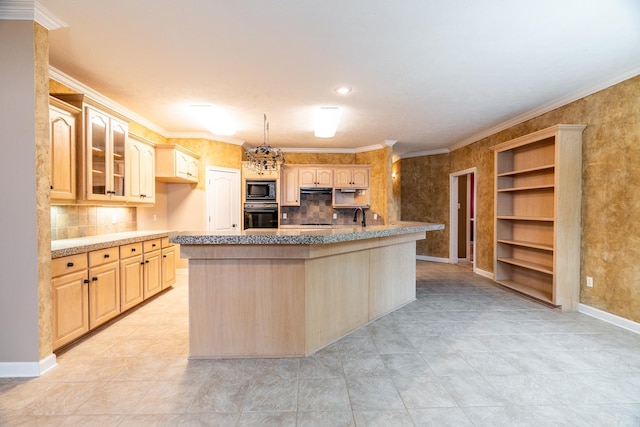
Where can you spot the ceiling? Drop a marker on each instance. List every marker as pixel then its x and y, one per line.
pixel 428 74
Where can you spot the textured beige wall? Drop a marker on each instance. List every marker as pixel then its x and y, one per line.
pixel 379 179
pixel 610 193
pixel 43 194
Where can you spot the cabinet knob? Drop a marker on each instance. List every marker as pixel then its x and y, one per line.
pixel 70 264
pixel 85 281
pixel 153 245
pixel 94 279
pixel 164 256
pixel 51 186
pixel 106 255
pixel 133 249
pixel 146 262
pixel 142 263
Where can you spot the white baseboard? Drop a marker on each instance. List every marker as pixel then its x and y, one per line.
pixel 27 369
pixel 487 274
pixel 621 322
pixel 432 259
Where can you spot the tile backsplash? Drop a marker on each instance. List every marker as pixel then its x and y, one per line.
pixel 68 222
pixel 318 209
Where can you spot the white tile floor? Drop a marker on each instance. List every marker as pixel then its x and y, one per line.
pixel 466 353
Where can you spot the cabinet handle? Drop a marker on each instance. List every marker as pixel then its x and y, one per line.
pixel 85 281
pixel 142 263
pixel 69 264
pixel 146 262
pixel 106 255
pixel 153 245
pixel 94 279
pixel 51 186
pixel 133 249
pixel 164 256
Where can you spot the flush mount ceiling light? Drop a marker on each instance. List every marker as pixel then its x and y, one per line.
pixel 343 90
pixel 326 123
pixel 265 158
pixel 214 119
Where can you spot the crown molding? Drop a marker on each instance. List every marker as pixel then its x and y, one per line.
pixel 424 153
pixel 560 102
pixel 29 10
pixel 335 150
pixel 79 87
pixel 204 135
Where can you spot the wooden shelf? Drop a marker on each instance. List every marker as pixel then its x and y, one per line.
pixel 526 244
pixel 526 264
pixel 537 228
pixel 97 172
pixel 531 188
pixel 527 290
pixel 529 170
pixel 525 218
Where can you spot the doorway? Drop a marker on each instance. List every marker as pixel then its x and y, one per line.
pixel 463 190
pixel 223 200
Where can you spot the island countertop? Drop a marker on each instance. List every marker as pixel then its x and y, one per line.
pixel 64 247
pixel 302 235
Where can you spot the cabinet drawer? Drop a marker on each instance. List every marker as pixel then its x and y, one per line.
pixel 103 256
pixel 68 264
pixel 130 250
pixel 151 245
pixel 166 243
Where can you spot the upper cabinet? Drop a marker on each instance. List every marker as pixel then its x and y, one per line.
pixel 290 188
pixel 320 177
pixel 62 138
pixel 176 164
pixel 351 177
pixel 141 170
pixel 101 151
pixel 106 140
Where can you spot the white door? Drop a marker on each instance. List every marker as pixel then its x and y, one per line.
pixel 223 200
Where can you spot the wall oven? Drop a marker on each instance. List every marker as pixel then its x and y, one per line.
pixel 260 215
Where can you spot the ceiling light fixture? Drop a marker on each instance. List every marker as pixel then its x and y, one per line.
pixel 327 119
pixel 265 158
pixel 343 90
pixel 214 119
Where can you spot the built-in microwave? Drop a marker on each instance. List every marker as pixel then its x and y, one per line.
pixel 260 190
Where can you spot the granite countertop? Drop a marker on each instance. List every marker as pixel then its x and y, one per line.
pixel 64 247
pixel 302 234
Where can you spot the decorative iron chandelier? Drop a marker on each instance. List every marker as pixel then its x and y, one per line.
pixel 265 158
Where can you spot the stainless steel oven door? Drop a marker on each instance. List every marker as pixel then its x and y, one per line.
pixel 260 215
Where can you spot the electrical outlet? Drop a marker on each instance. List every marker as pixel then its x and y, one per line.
pixel 114 219
pixel 375 216
pixel 284 215
pixel 335 216
pixel 589 282
pixel 155 217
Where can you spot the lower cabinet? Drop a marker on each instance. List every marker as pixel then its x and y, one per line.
pixel 92 288
pixel 131 276
pixel 168 263
pixel 152 268
pixel 70 301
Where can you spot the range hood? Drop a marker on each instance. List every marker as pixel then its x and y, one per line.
pixel 314 190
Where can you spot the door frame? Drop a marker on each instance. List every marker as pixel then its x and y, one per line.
pixel 209 193
pixel 453 213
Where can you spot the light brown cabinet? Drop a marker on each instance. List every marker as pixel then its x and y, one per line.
pixel 351 177
pixel 290 188
pixel 141 170
pixel 314 177
pixel 176 164
pixel 152 267
pixel 62 146
pixel 131 276
pixel 104 286
pixel 168 263
pixel 70 299
pixel 537 207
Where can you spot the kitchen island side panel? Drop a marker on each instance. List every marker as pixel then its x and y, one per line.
pixel 246 308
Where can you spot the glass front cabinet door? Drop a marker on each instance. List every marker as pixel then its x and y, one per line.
pixel 106 150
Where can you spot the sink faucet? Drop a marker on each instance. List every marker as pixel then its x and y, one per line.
pixel 364 217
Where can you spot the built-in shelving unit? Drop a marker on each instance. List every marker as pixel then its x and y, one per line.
pixel 537 210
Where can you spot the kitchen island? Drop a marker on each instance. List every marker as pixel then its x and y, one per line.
pixel 290 292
